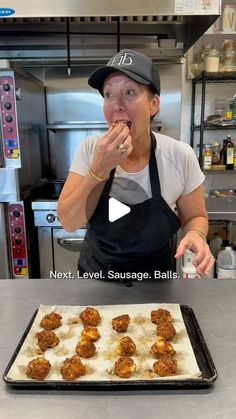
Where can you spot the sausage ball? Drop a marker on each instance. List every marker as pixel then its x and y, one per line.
pixel 90 317
pixel 38 368
pixel 124 367
pixel 165 367
pixel 126 347
pixel 85 348
pixel 120 324
pixel 72 368
pixel 161 348
pixel 160 315
pixel 47 339
pixel 90 333
pixel 166 330
pixel 51 321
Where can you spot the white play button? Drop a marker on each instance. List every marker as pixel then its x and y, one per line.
pixel 117 210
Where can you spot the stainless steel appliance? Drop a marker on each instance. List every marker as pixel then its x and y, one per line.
pixel 22 135
pixel 165 28
pixel 58 249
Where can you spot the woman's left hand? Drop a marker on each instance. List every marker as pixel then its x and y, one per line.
pixel 203 259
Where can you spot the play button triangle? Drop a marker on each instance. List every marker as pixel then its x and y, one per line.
pixel 117 210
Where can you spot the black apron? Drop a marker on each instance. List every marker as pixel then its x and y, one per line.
pixel 120 246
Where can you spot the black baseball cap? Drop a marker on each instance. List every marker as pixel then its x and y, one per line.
pixel 133 64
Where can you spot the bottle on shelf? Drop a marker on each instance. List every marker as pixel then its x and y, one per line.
pixel 235 160
pixel 223 152
pixel 207 157
pixel 216 154
pixel 229 153
pixel 233 107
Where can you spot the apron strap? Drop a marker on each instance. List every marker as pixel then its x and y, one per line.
pixel 153 170
pixel 108 183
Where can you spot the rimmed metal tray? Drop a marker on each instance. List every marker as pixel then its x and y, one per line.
pixel 200 349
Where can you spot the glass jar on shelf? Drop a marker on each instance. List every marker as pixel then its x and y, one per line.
pixel 229 55
pixel 229 18
pixel 211 58
pixel 207 157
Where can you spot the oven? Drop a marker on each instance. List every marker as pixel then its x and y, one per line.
pixel 58 250
pixel 22 135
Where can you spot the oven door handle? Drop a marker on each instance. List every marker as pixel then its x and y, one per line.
pixel 74 244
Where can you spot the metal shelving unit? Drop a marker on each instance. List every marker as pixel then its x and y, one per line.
pixel 203 79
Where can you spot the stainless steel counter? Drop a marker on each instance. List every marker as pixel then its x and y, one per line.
pixel 213 302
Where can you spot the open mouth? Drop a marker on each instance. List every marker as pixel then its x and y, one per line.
pixel 128 123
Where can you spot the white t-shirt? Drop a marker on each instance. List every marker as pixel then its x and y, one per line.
pixel 178 168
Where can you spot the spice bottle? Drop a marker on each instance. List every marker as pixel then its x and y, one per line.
pixel 207 157
pixel 229 153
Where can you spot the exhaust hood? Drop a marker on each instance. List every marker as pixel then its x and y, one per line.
pixel 92 29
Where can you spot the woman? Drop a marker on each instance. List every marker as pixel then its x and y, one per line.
pixel 126 159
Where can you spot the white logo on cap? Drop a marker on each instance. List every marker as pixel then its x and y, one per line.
pixel 121 59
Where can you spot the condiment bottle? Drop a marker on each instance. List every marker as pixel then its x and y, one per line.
pixel 229 153
pixel 207 157
pixel 235 160
pixel 223 152
pixel 216 153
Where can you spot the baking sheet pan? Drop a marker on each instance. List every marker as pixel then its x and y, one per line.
pixel 198 345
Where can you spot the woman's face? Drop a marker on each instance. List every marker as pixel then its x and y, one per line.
pixel 128 101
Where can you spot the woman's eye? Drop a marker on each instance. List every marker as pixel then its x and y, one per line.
pixel 130 92
pixel 107 95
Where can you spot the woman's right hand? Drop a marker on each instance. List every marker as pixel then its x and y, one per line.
pixel 107 155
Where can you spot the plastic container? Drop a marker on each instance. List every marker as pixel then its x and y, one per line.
pixel 226 263
pixel 189 270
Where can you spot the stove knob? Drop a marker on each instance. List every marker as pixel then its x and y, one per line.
pixel 6 87
pixel 50 218
pixel 8 118
pixel 18 241
pixel 17 230
pixel 16 213
pixel 7 105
